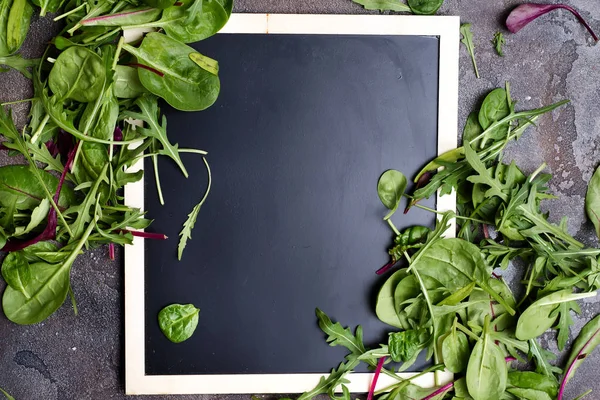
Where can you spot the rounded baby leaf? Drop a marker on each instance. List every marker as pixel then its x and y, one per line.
pixel 178 321
pixel 407 288
pixel 592 201
pixel 191 24
pixel 127 83
pixel 41 297
pixel 472 128
pixel 77 74
pixel 16 271
pixel 172 75
pixel 385 308
pixel 540 315
pixel 486 371
pixel 426 7
pixel 456 351
pixel 494 108
pixel 390 188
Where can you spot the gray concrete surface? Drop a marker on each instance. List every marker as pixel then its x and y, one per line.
pixel 80 358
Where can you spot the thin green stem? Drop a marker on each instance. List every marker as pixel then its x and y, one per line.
pixel 466 331
pixel 40 129
pixel 69 12
pixel 157 178
pixel 9 103
pixel 118 52
pixel 391 224
pixel 195 151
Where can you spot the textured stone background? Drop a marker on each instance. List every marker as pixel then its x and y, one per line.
pixel 80 358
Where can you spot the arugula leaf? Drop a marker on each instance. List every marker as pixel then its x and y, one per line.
pixel 18 63
pixel 188 225
pixel 334 379
pixel 340 336
pixel 565 321
pixel 498 41
pixel 467 40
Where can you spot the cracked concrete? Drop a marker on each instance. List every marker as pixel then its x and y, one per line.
pixel 79 358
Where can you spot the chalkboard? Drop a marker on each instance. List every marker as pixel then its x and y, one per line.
pixel 304 126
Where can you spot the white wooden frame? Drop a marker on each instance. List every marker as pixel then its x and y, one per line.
pixel 136 380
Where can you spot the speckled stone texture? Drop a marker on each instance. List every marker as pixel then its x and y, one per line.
pixel 78 358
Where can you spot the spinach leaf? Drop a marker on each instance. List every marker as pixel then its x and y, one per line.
pixel 183 84
pixel 48 6
pixel 592 201
pixel 16 271
pixel 46 291
pixel 426 7
pixel 385 307
pixel 178 322
pixel 586 342
pixel 127 83
pixel 467 40
pixel 384 5
pixel 495 107
pixel 390 189
pixel 77 74
pixel 403 345
pixel 487 373
pixel 528 394
pixel 540 316
pixel 533 380
pixel 472 129
pixel 18 24
pixel 19 184
pixel 456 351
pixel 4 11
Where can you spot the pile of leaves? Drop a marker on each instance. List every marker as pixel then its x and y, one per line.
pixel 447 299
pixel 94 115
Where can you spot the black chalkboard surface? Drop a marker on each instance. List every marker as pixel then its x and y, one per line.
pixel 302 130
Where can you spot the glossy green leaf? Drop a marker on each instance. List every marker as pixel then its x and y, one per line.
pixel 127 83
pixel 450 156
pixel 184 85
pixel 160 4
pixel 46 291
pixel 592 201
pixel 390 188
pixel 133 16
pixel 456 351
pixel 385 307
pixel 487 372
pixel 77 74
pixel 425 7
pixel 16 271
pixel 472 128
pixel 178 322
pixel 533 380
pixel 403 345
pixel 18 24
pixel 539 317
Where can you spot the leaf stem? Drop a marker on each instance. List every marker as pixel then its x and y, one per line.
pixel 391 224
pixel 69 12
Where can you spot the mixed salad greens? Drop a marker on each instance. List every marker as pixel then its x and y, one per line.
pixel 447 300
pixel 94 114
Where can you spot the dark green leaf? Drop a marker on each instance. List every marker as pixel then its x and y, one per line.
pixel 77 74
pixel 456 351
pixel 16 271
pixel 533 380
pixel 592 201
pixel 403 345
pixel 340 336
pixel 385 307
pixel 390 188
pixel 426 7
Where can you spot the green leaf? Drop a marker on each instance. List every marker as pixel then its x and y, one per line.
pixel 498 42
pixel 325 385
pixel 384 5
pixel 542 359
pixel 586 342
pixel 37 217
pixel 127 83
pixel 472 129
pixel 450 156
pixel 495 107
pixel 456 351
pixel 403 345
pixel 19 20
pixel 178 322
pixel 46 291
pixel 390 188
pixel 17 62
pixel 385 307
pixel 467 40
pixel 77 74
pixel 130 16
pixel 487 371
pixel 182 83
pixel 592 201
pixel 340 336
pixel 155 128
pixel 16 271
pixel 425 7
pixel 5 393
pixel 565 321
pixel 188 225
pixel 533 380
pixel 540 316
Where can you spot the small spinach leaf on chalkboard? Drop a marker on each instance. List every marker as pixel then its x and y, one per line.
pixel 390 189
pixel 178 321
